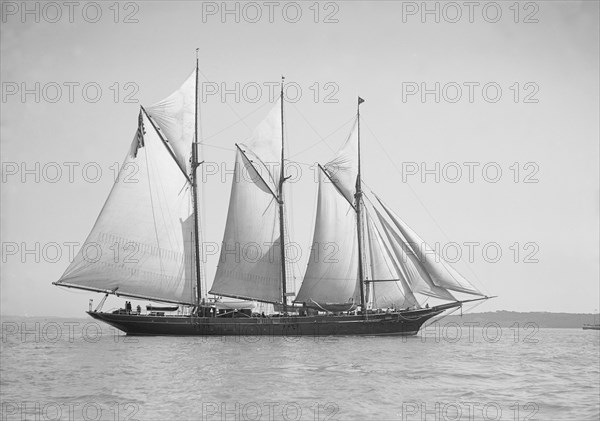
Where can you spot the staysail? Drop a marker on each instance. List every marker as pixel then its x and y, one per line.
pixel 416 275
pixel 250 261
pixel 438 271
pixel 140 245
pixel 388 286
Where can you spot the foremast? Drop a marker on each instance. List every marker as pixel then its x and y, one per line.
pixel 357 207
pixel 281 211
pixel 194 183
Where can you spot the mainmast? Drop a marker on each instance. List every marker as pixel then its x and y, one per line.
pixel 358 198
pixel 195 192
pixel 281 214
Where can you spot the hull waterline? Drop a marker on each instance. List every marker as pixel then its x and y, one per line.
pixel 402 323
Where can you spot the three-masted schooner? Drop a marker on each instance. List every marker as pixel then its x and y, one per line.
pixel 145 243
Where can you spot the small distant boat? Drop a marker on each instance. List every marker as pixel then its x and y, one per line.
pixel 595 325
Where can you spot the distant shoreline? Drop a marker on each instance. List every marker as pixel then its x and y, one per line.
pixel 503 318
pixel 541 319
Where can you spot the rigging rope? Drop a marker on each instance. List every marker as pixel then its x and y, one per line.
pixel 388 156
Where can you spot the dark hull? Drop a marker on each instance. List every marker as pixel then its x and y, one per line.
pixel 398 323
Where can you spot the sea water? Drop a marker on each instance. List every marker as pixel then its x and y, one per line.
pixel 81 369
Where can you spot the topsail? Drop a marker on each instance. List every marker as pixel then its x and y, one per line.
pixel 175 117
pixel 343 169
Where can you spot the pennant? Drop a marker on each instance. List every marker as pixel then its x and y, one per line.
pixel 141 131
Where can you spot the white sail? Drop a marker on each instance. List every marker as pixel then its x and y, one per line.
pixel 343 169
pixel 175 116
pixel 440 272
pixel 331 279
pixel 388 287
pixel 380 264
pixel 265 145
pixel 141 242
pixel 250 263
pixel 413 271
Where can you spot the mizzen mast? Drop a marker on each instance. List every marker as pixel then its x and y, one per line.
pixel 358 199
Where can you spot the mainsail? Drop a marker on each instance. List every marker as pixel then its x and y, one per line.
pixel 140 243
pixel 331 279
pixel 250 264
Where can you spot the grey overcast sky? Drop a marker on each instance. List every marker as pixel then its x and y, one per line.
pixel 507 131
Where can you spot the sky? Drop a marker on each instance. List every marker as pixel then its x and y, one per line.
pixel 480 129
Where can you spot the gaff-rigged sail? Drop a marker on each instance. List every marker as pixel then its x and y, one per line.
pixel 140 245
pixel 331 279
pixel 250 264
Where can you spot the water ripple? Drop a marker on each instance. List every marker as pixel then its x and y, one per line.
pixel 377 378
